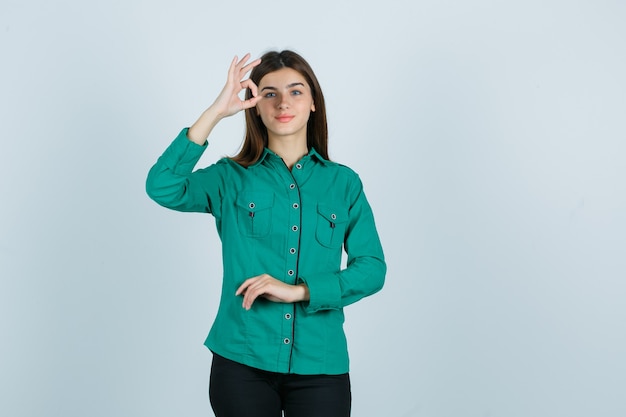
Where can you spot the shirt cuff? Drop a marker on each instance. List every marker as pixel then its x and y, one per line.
pixel 324 292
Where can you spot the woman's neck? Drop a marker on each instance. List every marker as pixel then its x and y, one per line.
pixel 291 150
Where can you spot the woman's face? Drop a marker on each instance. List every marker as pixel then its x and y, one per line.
pixel 286 103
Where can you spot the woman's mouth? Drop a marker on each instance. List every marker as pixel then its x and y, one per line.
pixel 283 118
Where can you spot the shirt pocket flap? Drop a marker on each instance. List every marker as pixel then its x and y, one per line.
pixel 255 202
pixel 333 215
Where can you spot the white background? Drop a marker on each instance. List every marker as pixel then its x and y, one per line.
pixel 490 139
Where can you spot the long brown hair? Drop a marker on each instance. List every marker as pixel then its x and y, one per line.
pixel 256 132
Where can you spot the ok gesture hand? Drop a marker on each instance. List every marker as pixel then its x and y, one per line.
pixel 229 102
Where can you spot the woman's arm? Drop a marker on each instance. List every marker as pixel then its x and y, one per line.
pixel 171 182
pixel 366 267
pixel 272 289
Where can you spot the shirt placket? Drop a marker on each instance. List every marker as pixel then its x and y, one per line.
pixel 291 266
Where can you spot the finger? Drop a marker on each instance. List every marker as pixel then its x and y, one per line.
pixel 232 69
pixel 251 102
pixel 244 70
pixel 242 62
pixel 250 297
pixel 234 72
pixel 258 288
pixel 248 83
pixel 243 287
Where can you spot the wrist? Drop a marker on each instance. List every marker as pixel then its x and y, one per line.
pixel 200 130
pixel 214 113
pixel 304 292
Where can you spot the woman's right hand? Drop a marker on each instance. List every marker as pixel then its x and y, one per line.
pixel 229 102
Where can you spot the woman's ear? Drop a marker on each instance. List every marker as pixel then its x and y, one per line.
pixel 312 107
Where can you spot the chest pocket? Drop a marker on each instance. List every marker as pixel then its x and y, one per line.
pixel 331 225
pixel 254 213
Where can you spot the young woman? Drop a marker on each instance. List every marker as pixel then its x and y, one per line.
pixel 284 212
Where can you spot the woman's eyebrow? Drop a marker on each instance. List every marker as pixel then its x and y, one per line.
pixel 269 87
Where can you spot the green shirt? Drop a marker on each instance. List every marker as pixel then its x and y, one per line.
pixel 291 225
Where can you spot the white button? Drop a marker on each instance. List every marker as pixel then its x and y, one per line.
pixel 299 166
pixel 252 205
pixel 290 272
pixel 288 316
pixel 296 205
pixel 294 228
pixel 292 251
pixel 333 216
pixel 292 186
pixel 286 341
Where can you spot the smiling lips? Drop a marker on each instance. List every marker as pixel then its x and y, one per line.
pixel 284 118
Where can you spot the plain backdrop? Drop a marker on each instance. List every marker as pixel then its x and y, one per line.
pixel 490 136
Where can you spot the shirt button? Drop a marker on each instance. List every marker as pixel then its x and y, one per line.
pixel 292 186
pixel 294 228
pixel 252 205
pixel 296 205
pixel 292 251
pixel 286 340
pixel 333 216
pixel 290 272
pixel 288 316
pixel 299 166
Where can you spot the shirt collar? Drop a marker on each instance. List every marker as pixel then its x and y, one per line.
pixel 313 154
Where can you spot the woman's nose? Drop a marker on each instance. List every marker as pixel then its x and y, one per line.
pixel 283 103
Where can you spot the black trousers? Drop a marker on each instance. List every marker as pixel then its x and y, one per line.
pixel 237 390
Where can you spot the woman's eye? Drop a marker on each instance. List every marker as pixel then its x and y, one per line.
pixel 270 95
pixel 296 92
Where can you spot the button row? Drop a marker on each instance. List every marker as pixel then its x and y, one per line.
pixel 293 251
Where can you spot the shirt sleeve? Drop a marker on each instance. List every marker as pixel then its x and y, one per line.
pixel 172 182
pixel 365 272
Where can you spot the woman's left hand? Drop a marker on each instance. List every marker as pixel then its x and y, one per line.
pixel 274 290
